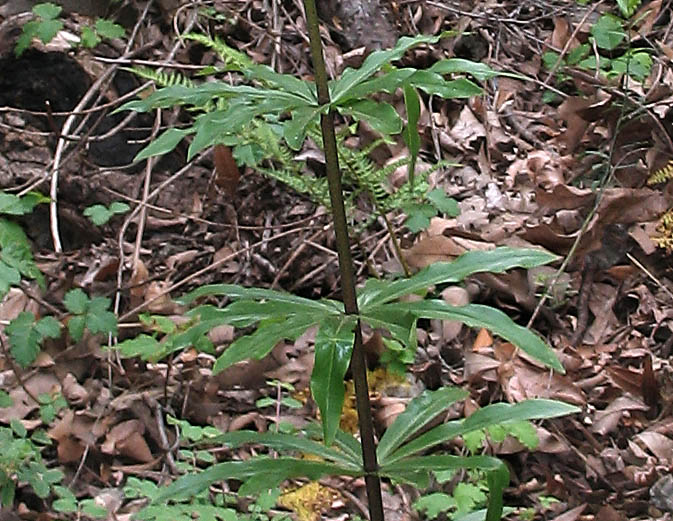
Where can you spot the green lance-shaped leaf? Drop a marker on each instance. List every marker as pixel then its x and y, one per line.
pixel 340 89
pixel 163 144
pixel 495 261
pixel 479 70
pixel 294 131
pixel 382 117
pixel 401 324
pixel 497 480
pixel 333 349
pixel 476 315
pixel 284 82
pixel 416 471
pixel 417 468
pixel 287 443
pixel 236 292
pixel 261 342
pixel 387 82
pixel 282 468
pixel 413 107
pixel 344 441
pixel 494 414
pixel 418 413
pixel 411 136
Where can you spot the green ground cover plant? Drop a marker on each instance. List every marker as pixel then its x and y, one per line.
pixel 608 50
pixel 47 24
pixel 296 106
pixel 294 109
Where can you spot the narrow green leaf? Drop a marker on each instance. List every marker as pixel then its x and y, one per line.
pixel 388 82
pixel 476 315
pixel 234 291
pixel 436 85
pixel 382 117
pixel 287 442
pixel 244 313
pixel 340 89
pixel 284 82
pixel 413 107
pixel 283 468
pixel 333 349
pixel 481 419
pixel 495 261
pixel 418 413
pixel 401 324
pixel 210 127
pixel 162 98
pixel 163 144
pixel 436 463
pixel 497 480
pixel 294 131
pixel 144 346
pixel 261 342
pixel 479 70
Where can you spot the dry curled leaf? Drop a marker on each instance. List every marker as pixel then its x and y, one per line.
pixel 227 174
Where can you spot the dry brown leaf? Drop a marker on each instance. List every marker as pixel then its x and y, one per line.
pixel 73 391
pixel 576 126
pixel 480 366
pixel 126 439
pixel 390 407
pixel 466 129
pixel 658 444
pixel 608 420
pixel 484 339
pixel 520 381
pixel 22 403
pixel 138 280
pixel 601 302
pixel 429 250
pixel 181 258
pixel 227 175
pixel 447 330
pixel 244 420
pixel 571 515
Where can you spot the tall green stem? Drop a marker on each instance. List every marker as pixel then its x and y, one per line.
pixel 358 363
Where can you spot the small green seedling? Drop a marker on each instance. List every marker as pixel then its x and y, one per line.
pixel 47 24
pixel 99 214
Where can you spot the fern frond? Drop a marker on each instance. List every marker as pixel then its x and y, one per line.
pixel 665 228
pixel 662 175
pixel 160 78
pixel 233 60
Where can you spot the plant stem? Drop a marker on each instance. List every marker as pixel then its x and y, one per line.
pixel 358 363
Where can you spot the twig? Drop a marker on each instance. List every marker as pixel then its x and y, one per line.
pixel 60 146
pixel 650 275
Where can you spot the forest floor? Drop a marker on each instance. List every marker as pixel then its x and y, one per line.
pixel 560 159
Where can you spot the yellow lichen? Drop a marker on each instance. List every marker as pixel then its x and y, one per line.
pixel 308 501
